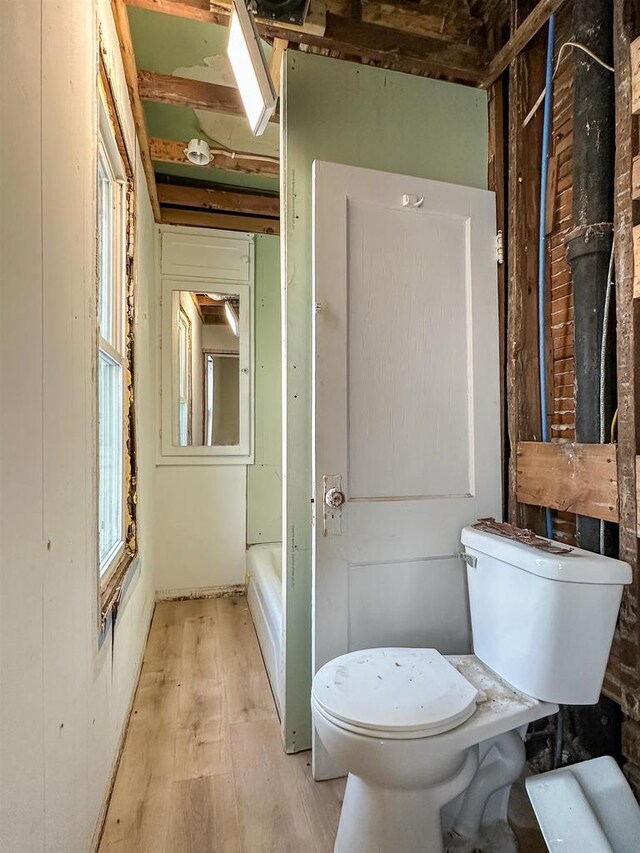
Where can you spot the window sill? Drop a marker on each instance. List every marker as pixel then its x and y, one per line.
pixel 111 590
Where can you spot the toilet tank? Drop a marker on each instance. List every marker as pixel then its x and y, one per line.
pixel 543 622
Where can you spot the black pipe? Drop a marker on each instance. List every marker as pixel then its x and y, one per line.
pixel 589 243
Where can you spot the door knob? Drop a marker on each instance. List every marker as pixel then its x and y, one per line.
pixel 334 498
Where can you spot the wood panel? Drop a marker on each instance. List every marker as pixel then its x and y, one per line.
pixel 206 198
pixel 172 151
pixel 197 94
pixel 578 478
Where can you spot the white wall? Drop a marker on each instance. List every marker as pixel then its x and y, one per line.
pixel 63 699
pixel 200 511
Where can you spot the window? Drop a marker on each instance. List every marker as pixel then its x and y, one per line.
pixel 116 463
pixel 112 355
pixel 184 379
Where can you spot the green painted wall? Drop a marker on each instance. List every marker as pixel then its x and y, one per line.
pixel 264 478
pixel 361 116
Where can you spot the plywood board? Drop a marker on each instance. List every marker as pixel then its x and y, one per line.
pixel 580 478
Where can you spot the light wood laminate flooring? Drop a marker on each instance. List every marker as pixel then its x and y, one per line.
pixel 203 769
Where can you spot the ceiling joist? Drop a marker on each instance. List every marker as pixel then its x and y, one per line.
pixel 172 151
pixel 399 49
pixel 222 221
pixel 184 92
pixel 205 198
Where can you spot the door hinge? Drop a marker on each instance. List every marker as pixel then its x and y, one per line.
pixel 500 247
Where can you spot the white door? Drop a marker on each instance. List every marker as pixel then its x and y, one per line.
pixel 406 407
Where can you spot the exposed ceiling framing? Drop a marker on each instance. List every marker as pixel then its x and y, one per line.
pixel 460 40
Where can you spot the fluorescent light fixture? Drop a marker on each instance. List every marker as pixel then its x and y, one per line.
pixel 232 317
pixel 250 68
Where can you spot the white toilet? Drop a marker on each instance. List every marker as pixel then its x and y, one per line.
pixel 416 730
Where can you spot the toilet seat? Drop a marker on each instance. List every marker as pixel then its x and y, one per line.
pixel 394 693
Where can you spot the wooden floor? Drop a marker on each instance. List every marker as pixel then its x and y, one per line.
pixel 203 770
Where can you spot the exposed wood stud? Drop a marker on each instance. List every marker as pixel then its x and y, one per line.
pixel 526 74
pixel 184 92
pixel 635 178
pixel 627 351
pixel 496 182
pixel 218 199
pixel 172 151
pixel 636 261
pixel 224 221
pixel 278 50
pixel 520 39
pixel 635 76
pixel 119 10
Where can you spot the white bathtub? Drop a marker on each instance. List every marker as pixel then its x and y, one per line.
pixel 264 596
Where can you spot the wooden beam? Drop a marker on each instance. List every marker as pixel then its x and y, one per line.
pixel 396 49
pixel 279 48
pixel 526 75
pixel 217 12
pixel 172 151
pixel 628 347
pixel 121 19
pixel 520 39
pixel 497 183
pixel 222 221
pixel 209 199
pixel 184 92
pixel 578 478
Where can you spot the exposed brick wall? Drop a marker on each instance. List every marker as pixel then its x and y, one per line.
pixel 563 406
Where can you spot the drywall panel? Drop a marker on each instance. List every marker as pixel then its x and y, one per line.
pixel 264 478
pixel 361 116
pixel 64 697
pixel 200 532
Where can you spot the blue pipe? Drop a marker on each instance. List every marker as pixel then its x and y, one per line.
pixel 546 135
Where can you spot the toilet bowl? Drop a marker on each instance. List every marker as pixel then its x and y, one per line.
pixel 408 723
pixel 417 730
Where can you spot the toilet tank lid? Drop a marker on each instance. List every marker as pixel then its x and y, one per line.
pixel 576 566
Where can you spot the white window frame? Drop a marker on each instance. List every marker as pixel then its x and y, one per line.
pixel 115 348
pixel 184 379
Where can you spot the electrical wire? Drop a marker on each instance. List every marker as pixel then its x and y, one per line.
pixel 614 427
pixel 603 356
pixel 580 46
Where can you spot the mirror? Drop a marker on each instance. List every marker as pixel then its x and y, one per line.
pixel 206 396
pixel 206 369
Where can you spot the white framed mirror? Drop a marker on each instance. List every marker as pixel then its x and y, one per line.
pixel 206 394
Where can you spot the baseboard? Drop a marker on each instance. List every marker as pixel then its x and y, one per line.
pixel 102 816
pixel 201 592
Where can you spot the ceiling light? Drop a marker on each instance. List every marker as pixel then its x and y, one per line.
pixel 250 68
pixel 232 317
pixel 198 152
